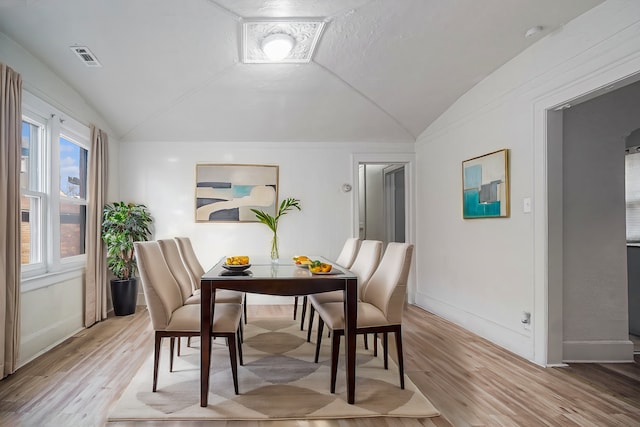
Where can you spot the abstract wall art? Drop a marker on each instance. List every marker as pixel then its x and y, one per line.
pixel 228 192
pixel 485 186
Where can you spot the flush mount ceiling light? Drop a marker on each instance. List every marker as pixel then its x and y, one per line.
pixel 277 46
pixel 280 41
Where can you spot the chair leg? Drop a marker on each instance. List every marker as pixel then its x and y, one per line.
pixel 312 312
pixel 366 341
pixel 244 307
pixel 156 359
pixel 239 339
pixel 335 352
pixel 178 350
pixel 172 344
pixel 188 341
pixel 375 345
pixel 241 332
pixel 304 312
pixel 295 307
pixel 398 334
pixel 231 341
pixel 385 348
pixel 319 338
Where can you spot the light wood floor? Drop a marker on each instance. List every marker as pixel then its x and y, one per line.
pixel 471 381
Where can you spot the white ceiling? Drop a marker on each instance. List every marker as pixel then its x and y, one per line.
pixel 383 69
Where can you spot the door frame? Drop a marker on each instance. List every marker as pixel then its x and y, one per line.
pixel 548 338
pixel 408 160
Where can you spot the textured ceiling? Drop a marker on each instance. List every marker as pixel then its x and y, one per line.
pixel 383 70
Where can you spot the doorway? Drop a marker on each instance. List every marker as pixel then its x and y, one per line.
pixel 587 257
pixel 382 202
pixel 396 222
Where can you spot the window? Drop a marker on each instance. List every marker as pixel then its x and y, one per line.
pixel 73 197
pixel 32 196
pixel 632 195
pixel 53 183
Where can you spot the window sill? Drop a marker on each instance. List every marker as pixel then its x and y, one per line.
pixel 29 284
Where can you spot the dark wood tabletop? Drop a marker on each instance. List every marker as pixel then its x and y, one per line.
pixel 282 278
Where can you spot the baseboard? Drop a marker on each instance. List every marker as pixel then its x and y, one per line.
pixel 141 300
pixel 515 341
pixel 29 344
pixel 603 351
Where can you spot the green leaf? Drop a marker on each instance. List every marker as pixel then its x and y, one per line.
pixel 272 222
pixel 123 224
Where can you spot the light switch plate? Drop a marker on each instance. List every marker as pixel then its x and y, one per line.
pixel 526 205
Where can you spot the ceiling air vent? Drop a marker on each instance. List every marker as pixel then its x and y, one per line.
pixel 86 56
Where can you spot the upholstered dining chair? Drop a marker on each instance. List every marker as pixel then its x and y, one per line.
pixel 170 317
pixel 345 259
pixel 364 265
pixel 171 254
pixel 196 271
pixel 380 309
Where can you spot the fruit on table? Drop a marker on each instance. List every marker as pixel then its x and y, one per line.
pixel 301 259
pixel 237 260
pixel 319 267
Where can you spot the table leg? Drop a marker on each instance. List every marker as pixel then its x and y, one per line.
pixel 351 321
pixel 205 341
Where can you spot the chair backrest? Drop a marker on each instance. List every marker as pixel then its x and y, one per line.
pixel 160 288
pixel 366 262
pixel 388 284
pixel 348 254
pixel 191 261
pixel 171 254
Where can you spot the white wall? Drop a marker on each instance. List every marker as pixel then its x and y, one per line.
pixel 49 315
pixel 483 274
pixel 52 308
pixel 162 176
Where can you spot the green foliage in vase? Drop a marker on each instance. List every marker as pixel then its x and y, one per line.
pixel 123 224
pixel 272 221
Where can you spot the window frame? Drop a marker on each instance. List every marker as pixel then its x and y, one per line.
pixel 56 124
pixel 72 136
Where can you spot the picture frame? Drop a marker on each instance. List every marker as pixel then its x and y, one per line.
pixel 485 186
pixel 228 192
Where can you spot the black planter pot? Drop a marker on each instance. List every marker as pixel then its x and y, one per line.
pixel 124 294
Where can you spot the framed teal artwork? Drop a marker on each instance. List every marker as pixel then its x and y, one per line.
pixel 485 186
pixel 228 192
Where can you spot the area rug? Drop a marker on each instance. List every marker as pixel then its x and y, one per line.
pixel 278 381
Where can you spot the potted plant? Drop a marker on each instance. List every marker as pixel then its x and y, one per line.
pixel 272 222
pixel 122 224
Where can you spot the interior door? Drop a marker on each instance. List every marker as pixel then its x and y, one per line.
pixel 394 188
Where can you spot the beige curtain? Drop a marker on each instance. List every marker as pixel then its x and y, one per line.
pixel 10 153
pixel 96 281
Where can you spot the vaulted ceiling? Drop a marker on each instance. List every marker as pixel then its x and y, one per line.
pixel 383 70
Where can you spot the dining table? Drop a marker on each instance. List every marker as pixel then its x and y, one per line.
pixel 283 278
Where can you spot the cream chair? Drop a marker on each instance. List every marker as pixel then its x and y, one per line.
pixel 345 259
pixel 170 317
pixel 171 254
pixel 349 252
pixel 196 271
pixel 364 265
pixel 379 311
